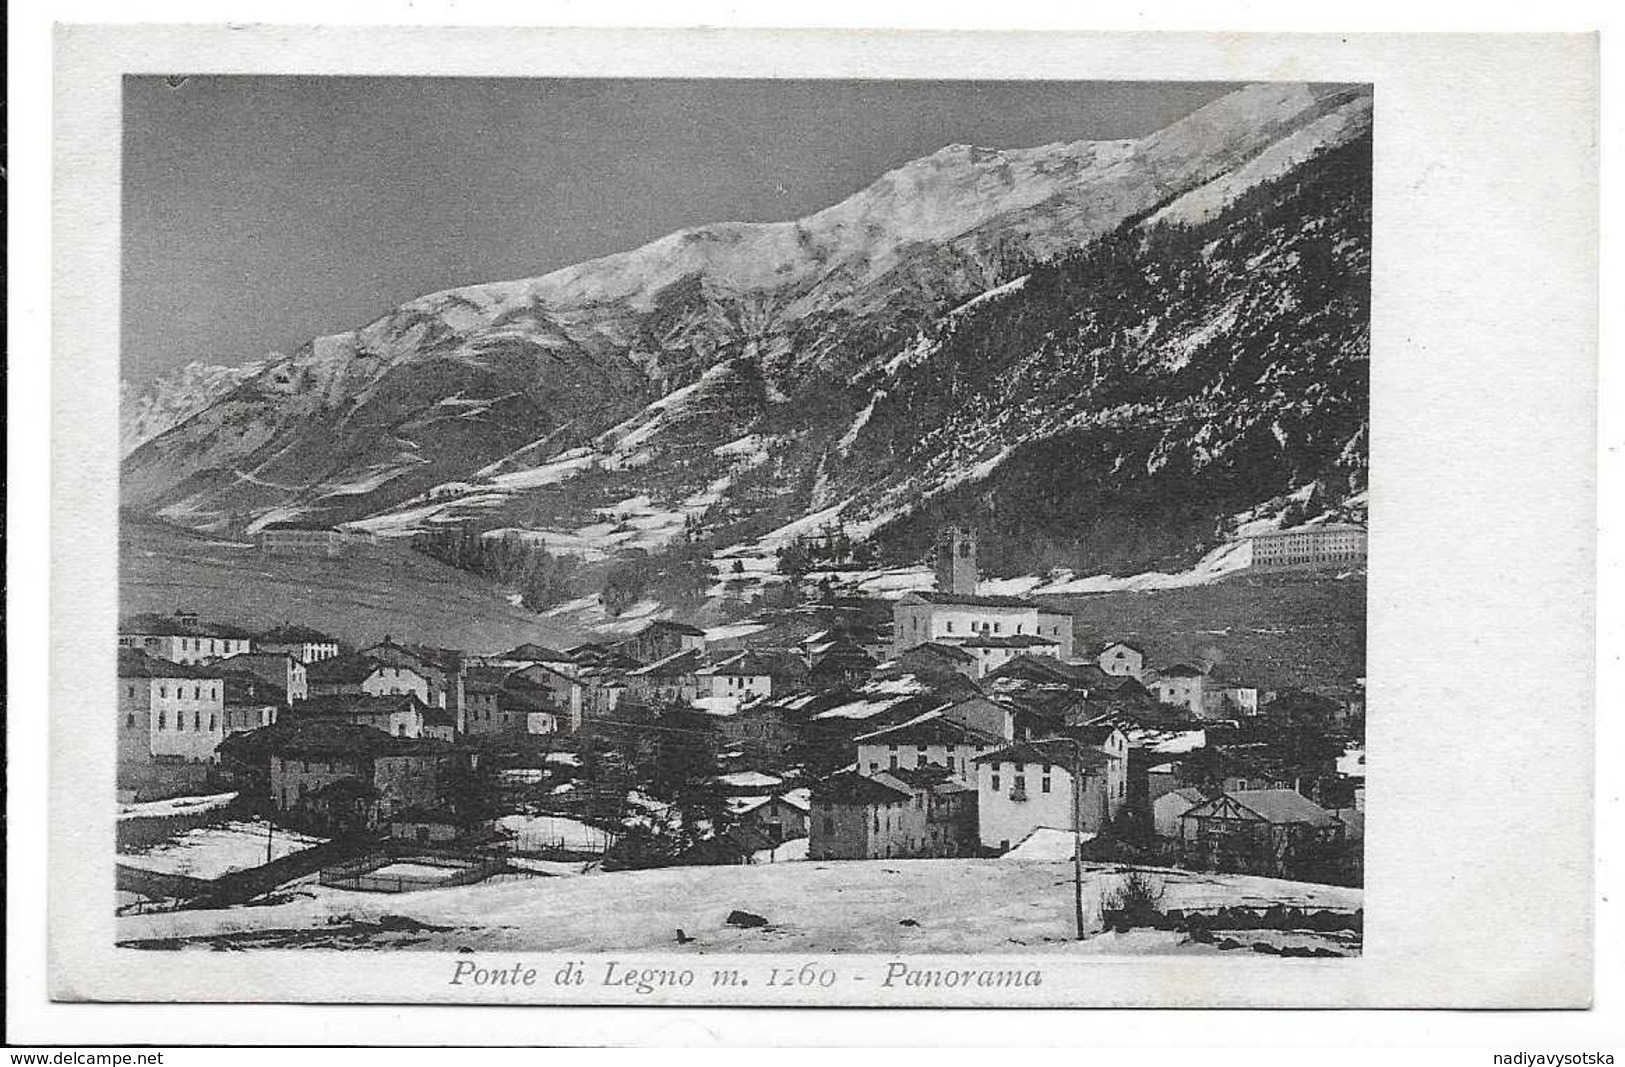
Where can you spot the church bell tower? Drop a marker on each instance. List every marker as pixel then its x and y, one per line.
pixel 956 561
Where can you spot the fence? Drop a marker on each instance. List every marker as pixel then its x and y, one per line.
pixel 369 877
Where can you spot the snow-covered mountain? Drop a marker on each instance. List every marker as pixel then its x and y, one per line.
pixel 170 400
pixel 1179 317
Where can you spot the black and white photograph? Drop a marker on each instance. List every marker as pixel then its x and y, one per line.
pixel 784 516
pixel 606 535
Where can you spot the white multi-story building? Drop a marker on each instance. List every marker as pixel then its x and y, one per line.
pixel 168 710
pixel 1334 544
pixel 955 618
pixel 1030 785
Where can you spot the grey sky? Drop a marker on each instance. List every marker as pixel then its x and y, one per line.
pixel 262 211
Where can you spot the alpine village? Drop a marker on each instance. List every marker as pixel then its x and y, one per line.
pixel 977 564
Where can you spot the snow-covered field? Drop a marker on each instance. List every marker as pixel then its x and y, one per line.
pixel 954 905
pixel 174 807
pixel 535 833
pixel 211 851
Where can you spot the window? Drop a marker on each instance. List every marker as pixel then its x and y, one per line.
pixel 129 720
pixel 1019 784
pixel 197 720
pixel 995 627
pixel 950 626
pixel 1043 783
pixel 130 691
pixel 893 762
pixel 995 781
pixel 162 725
pixel 163 691
pixel 877 822
pixel 212 724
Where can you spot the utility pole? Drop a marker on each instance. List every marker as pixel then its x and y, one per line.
pixel 1077 836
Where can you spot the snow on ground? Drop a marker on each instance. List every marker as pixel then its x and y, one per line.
pixel 810 906
pixel 211 851
pixel 414 871
pixel 1045 845
pixel 168 809
pixel 790 851
pixel 996 292
pixel 535 833
pixel 1228 558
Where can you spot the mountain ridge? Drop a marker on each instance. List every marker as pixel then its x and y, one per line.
pixel 477 402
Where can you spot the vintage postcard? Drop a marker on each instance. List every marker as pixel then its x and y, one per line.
pixel 849 537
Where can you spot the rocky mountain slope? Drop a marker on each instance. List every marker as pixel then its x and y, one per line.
pixel 1091 338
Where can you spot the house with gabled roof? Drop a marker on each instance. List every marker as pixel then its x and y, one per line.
pixel 662 639
pixel 1119 658
pixel 396 714
pixel 935 657
pixel 1181 685
pixel 741 677
pixel 915 812
pixel 1264 831
pixel 1055 782
pixel 670 680
pixel 930 738
pixel 353 674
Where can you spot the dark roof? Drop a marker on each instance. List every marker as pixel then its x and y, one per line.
pixel 293 634
pixel 312 526
pixel 1094 734
pixel 1183 670
pixel 242 659
pixel 358 704
pixel 341 669
pixel 301 738
pixel 1049 669
pixel 438 716
pixel 134 663
pixel 180 624
pixel 675 627
pixel 480 679
pixel 1050 750
pixel 850 787
pixel 972 601
pixel 1100 646
pixel 746 664
pixel 932 728
pixel 932 776
pixel 1279 806
pixel 1013 641
pixel 246 687
pixel 950 653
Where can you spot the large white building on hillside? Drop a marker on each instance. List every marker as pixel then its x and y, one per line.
pixel 1334 544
